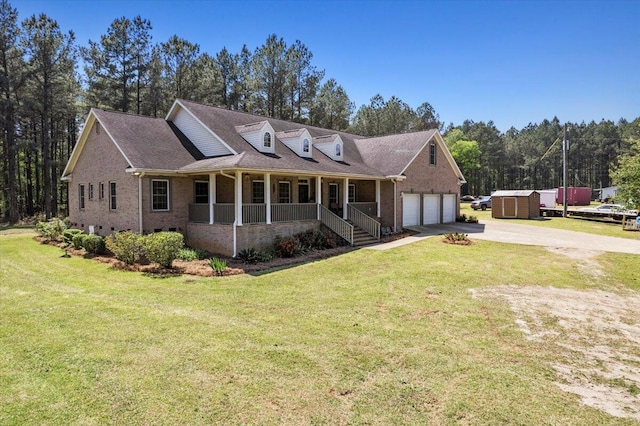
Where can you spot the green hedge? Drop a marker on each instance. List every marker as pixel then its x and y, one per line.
pixel 125 246
pixel 163 247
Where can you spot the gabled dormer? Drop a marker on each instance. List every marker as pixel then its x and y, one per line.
pixel 331 146
pixel 260 135
pixel 299 141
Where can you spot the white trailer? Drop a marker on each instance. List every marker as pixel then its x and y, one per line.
pixel 548 197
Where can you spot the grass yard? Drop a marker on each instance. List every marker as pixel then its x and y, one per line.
pixel 368 337
pixel 570 223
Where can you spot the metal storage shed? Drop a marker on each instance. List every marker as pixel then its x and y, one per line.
pixel 521 204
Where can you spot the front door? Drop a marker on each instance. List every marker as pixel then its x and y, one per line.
pixel 303 193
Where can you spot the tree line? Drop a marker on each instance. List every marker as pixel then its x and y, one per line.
pixel 45 97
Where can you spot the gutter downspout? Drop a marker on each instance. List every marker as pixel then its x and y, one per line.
pixel 140 202
pixel 395 205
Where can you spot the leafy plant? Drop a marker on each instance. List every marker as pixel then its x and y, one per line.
pixel 218 265
pixel 125 246
pixel 461 218
pixel 93 244
pixel 472 219
pixel 68 234
pixel 188 254
pixel 249 255
pixel 78 241
pixel 163 247
pixel 456 238
pixel 51 230
pixel 287 247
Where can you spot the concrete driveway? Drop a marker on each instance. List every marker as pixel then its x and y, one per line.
pixel 506 232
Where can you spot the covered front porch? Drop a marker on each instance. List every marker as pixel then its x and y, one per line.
pixel 249 198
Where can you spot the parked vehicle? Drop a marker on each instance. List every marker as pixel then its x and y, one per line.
pixel 482 203
pixel 467 198
pixel 609 208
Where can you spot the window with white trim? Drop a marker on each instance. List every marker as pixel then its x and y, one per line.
pixel 101 191
pixel 284 192
pixel 305 145
pixel 81 197
pixel 201 192
pixel 159 194
pixel 352 192
pixel 112 196
pixel 257 192
pixel 91 191
pixel 333 193
pixel 266 140
pixel 338 150
pixel 432 154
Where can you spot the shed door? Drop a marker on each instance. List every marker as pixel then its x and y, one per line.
pixel 509 207
pixel 449 208
pixel 410 209
pixel 431 209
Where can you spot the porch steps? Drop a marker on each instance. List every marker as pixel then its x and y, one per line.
pixel 362 238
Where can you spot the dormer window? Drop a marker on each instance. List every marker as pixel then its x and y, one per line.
pixel 267 140
pixel 305 145
pixel 260 135
pixel 338 150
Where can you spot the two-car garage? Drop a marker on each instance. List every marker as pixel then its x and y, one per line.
pixel 428 209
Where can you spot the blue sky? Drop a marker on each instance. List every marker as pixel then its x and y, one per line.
pixel 513 62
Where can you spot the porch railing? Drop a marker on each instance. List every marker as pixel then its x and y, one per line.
pixel 370 209
pixel 254 213
pixel 292 212
pixel 364 222
pixel 199 213
pixel 336 223
pixel 224 213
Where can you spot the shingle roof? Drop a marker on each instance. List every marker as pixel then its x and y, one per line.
pixel 148 143
pixel 154 143
pixel 391 154
pixel 513 193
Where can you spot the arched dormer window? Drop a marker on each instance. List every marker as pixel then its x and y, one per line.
pixel 266 139
pixel 305 145
pixel 338 150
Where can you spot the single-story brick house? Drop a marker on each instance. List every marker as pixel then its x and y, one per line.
pixel 229 180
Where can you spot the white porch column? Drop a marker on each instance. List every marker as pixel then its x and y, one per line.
pixel 378 197
pixel 267 195
pixel 318 193
pixel 212 196
pixel 238 198
pixel 345 199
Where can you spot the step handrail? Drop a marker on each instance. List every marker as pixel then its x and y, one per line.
pixel 336 223
pixel 364 221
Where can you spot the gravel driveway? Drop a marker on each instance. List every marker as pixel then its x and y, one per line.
pixel 506 232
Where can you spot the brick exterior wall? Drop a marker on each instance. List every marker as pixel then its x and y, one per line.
pixel 181 193
pixel 218 239
pixel 101 161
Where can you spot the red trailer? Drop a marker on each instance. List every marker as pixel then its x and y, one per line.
pixel 578 196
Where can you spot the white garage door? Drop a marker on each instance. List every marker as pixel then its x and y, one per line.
pixel 449 208
pixel 410 209
pixel 431 209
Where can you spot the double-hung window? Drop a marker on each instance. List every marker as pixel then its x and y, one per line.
pixel 159 195
pixel 432 154
pixel 112 196
pixel 257 192
pixel 91 191
pixel 333 193
pixel 284 192
pixel 352 193
pixel 101 191
pixel 202 192
pixel 81 197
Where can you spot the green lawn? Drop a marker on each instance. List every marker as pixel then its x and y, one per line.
pixel 570 223
pixel 368 337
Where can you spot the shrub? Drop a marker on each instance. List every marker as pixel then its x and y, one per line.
pixel 51 230
pixel 93 244
pixel 287 247
pixel 188 254
pixel 461 218
pixel 218 265
pixel 472 219
pixel 456 238
pixel 68 234
pixel 265 256
pixel 249 255
pixel 78 241
pixel 163 247
pixel 125 246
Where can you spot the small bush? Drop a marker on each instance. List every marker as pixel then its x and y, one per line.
pixel 78 241
pixel 472 219
pixel 188 254
pixel 51 230
pixel 249 255
pixel 163 247
pixel 68 234
pixel 94 244
pixel 461 218
pixel 125 246
pixel 265 256
pixel 218 265
pixel 456 238
pixel 287 247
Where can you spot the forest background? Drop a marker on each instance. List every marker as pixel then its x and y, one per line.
pixel 49 81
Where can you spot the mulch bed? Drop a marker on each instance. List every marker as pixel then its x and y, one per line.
pixel 203 269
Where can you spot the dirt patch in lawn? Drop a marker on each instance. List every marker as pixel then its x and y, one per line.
pixel 596 335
